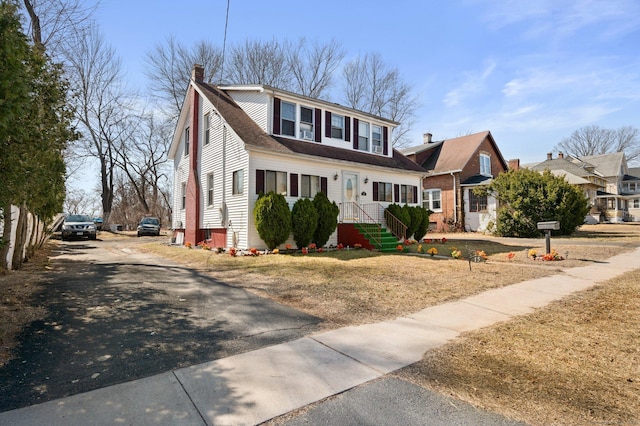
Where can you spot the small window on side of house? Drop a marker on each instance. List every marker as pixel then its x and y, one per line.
pixel 210 189
pixel 183 193
pixel 238 182
pixel 431 199
pixel 186 141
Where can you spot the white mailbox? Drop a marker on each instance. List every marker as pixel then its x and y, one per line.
pixel 553 225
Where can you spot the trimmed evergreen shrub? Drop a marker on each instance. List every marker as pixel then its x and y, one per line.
pixel 304 221
pixel 401 214
pixel 327 218
pixel 273 219
pixel 423 224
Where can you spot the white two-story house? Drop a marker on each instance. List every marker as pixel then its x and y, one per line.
pixel 233 143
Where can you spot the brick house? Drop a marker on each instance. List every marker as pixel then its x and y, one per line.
pixel 454 168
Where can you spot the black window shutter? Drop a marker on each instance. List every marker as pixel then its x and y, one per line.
pixel 396 193
pixel 327 124
pixel 318 125
pixel 347 128
pixel 356 133
pixel 385 140
pixel 276 116
pixel 293 183
pixel 259 181
pixel 415 194
pixel 375 191
pixel 323 185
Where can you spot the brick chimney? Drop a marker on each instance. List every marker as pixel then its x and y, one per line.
pixel 426 138
pixel 560 155
pixel 549 156
pixel 197 73
pixel 514 164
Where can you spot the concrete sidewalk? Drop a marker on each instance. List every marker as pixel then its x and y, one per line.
pixel 256 386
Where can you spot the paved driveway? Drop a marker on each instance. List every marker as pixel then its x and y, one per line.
pixel 116 315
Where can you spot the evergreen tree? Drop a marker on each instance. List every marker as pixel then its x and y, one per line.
pixel 527 197
pixel 304 221
pixel 327 218
pixel 273 219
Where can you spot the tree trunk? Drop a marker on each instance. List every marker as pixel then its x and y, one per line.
pixel 5 242
pixel 21 231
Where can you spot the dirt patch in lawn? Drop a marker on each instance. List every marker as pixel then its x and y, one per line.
pixel 576 362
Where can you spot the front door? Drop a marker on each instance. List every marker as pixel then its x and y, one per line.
pixel 350 189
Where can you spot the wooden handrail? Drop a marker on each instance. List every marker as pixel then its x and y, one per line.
pixel 394 225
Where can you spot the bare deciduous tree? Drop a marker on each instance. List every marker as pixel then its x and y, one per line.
pixel 371 86
pixel 53 23
pixel 258 62
pixel 169 66
pixel 101 106
pixel 595 140
pixel 143 160
pixel 313 65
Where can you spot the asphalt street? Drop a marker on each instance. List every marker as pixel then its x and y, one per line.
pixel 116 315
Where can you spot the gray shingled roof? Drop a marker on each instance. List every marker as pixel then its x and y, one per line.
pixel 606 164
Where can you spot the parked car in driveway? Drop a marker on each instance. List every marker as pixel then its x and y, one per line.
pixel 149 226
pixel 78 226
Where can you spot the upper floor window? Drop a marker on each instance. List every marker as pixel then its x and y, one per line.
pixel 288 119
pixel 309 185
pixel 363 136
pixel 183 194
pixel 485 165
pixel 431 200
pixel 210 189
pixel 337 126
pixel 276 182
pixel 207 131
pixel 186 141
pixel 376 139
pixel 306 123
pixel 238 182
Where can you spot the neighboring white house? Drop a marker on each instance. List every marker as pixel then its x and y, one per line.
pixel 232 143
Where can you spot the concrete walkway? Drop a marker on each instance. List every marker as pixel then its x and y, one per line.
pixel 256 386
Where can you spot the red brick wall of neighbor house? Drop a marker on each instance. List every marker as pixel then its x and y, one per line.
pixel 473 166
pixel 192 233
pixel 445 184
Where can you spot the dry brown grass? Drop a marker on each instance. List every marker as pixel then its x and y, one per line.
pixel 577 362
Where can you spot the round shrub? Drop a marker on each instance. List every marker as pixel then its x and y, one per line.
pixel 304 221
pixel 327 218
pixel 273 219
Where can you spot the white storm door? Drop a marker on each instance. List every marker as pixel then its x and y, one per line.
pixel 350 189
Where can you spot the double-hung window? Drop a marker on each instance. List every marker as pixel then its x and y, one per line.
pixel 186 141
pixel 385 191
pixel 636 203
pixel 276 182
pixel 376 139
pixel 210 189
pixel 363 136
pixel 238 182
pixel 288 118
pixel 207 131
pixel 309 185
pixel 306 123
pixel 485 165
pixel 337 126
pixel 431 200
pixel 407 194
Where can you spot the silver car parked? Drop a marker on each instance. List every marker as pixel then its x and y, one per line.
pixel 78 226
pixel 149 226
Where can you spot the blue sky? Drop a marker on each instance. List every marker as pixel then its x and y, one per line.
pixel 530 72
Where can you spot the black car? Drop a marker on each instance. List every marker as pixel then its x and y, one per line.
pixel 149 226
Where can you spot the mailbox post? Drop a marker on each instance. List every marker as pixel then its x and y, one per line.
pixel 553 225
